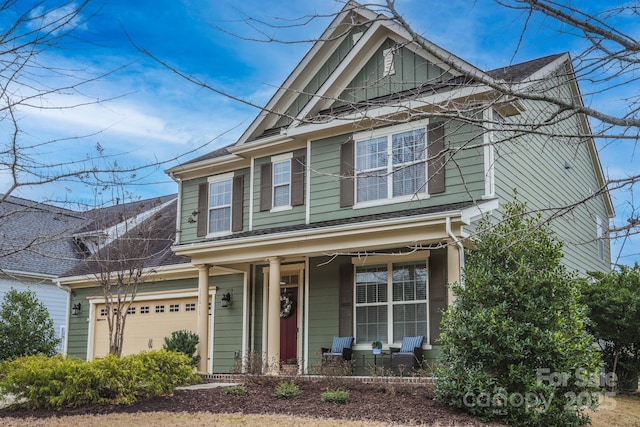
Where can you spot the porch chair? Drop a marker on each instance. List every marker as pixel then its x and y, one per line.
pixel 409 355
pixel 340 350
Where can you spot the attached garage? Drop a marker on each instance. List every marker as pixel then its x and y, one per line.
pixel 148 322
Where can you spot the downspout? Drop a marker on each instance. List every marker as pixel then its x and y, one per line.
pixel 65 343
pixel 458 243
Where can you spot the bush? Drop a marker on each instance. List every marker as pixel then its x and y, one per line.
pixel 235 390
pixel 55 382
pixel 185 342
pixel 25 326
pixel 516 330
pixel 287 390
pixel 335 396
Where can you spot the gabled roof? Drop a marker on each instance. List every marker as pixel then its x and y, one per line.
pixel 36 238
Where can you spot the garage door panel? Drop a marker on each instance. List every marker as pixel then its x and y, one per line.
pixel 147 324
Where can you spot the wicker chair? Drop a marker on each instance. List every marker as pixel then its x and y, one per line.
pixel 340 350
pixel 409 355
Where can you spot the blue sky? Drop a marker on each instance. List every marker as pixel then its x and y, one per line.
pixel 151 114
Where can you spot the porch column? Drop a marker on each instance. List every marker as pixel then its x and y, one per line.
pixel 202 325
pixel 453 268
pixel 273 317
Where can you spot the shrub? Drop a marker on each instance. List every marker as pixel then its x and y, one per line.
pixel 516 330
pixel 25 326
pixel 55 382
pixel 287 390
pixel 185 342
pixel 335 396
pixel 235 390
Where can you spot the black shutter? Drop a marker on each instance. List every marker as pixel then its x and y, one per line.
pixel 345 316
pixel 297 181
pixel 437 292
pixel 203 209
pixel 435 154
pixel 265 187
pixel 237 203
pixel 347 196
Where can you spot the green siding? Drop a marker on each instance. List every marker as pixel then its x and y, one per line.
pixel 266 219
pixel 534 165
pixel 411 71
pixel 324 304
pixel 227 323
pixel 188 220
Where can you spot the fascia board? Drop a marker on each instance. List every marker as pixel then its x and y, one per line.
pixel 26 274
pixel 322 42
pixel 310 235
pixel 203 167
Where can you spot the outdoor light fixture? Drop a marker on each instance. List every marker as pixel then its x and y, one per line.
pixel 226 300
pixel 75 309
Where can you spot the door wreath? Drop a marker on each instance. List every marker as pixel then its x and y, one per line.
pixel 286 305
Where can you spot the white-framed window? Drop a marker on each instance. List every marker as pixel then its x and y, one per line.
pixel 600 237
pixel 220 197
pixel 281 180
pixel 391 301
pixel 391 164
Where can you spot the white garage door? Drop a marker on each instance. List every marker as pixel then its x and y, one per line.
pixel 147 324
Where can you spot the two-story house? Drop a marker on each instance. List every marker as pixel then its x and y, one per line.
pixel 345 207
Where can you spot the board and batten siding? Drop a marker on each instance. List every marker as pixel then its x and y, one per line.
pixel 464 176
pixel 554 172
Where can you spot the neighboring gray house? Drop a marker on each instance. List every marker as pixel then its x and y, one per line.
pixel 36 246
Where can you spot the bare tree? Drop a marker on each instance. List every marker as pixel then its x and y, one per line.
pixel 124 244
pixel 608 61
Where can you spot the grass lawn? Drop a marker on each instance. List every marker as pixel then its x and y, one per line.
pixel 620 411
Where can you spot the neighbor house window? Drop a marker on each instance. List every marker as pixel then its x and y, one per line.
pixel 391 301
pixel 220 191
pixel 390 166
pixel 282 183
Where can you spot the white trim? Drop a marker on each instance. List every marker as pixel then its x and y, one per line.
pixel 391 258
pixel 478 211
pixel 305 350
pixel 212 331
pixel 281 157
pixel 388 130
pixel 251 184
pixel 245 320
pixel 391 201
pixel 178 212
pixel 221 177
pixel 489 155
pixel 307 196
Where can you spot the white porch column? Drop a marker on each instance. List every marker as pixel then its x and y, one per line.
pixel 273 317
pixel 202 326
pixel 453 268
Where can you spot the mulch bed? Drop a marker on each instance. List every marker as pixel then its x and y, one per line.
pixel 394 403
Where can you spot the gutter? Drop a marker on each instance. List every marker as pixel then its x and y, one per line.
pixel 458 243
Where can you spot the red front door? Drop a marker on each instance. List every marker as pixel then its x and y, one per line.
pixel 289 327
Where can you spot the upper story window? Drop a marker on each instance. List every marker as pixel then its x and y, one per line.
pixel 282 182
pixel 391 166
pixel 220 188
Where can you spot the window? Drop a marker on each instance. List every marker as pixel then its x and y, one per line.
pixel 159 308
pixel 600 237
pixel 174 308
pixel 190 306
pixel 281 183
pixel 103 312
pixel 220 204
pixel 391 301
pixel 391 166
pixel 144 309
pixel 131 310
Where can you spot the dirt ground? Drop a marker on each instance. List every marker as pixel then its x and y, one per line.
pixel 371 405
pixel 400 404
